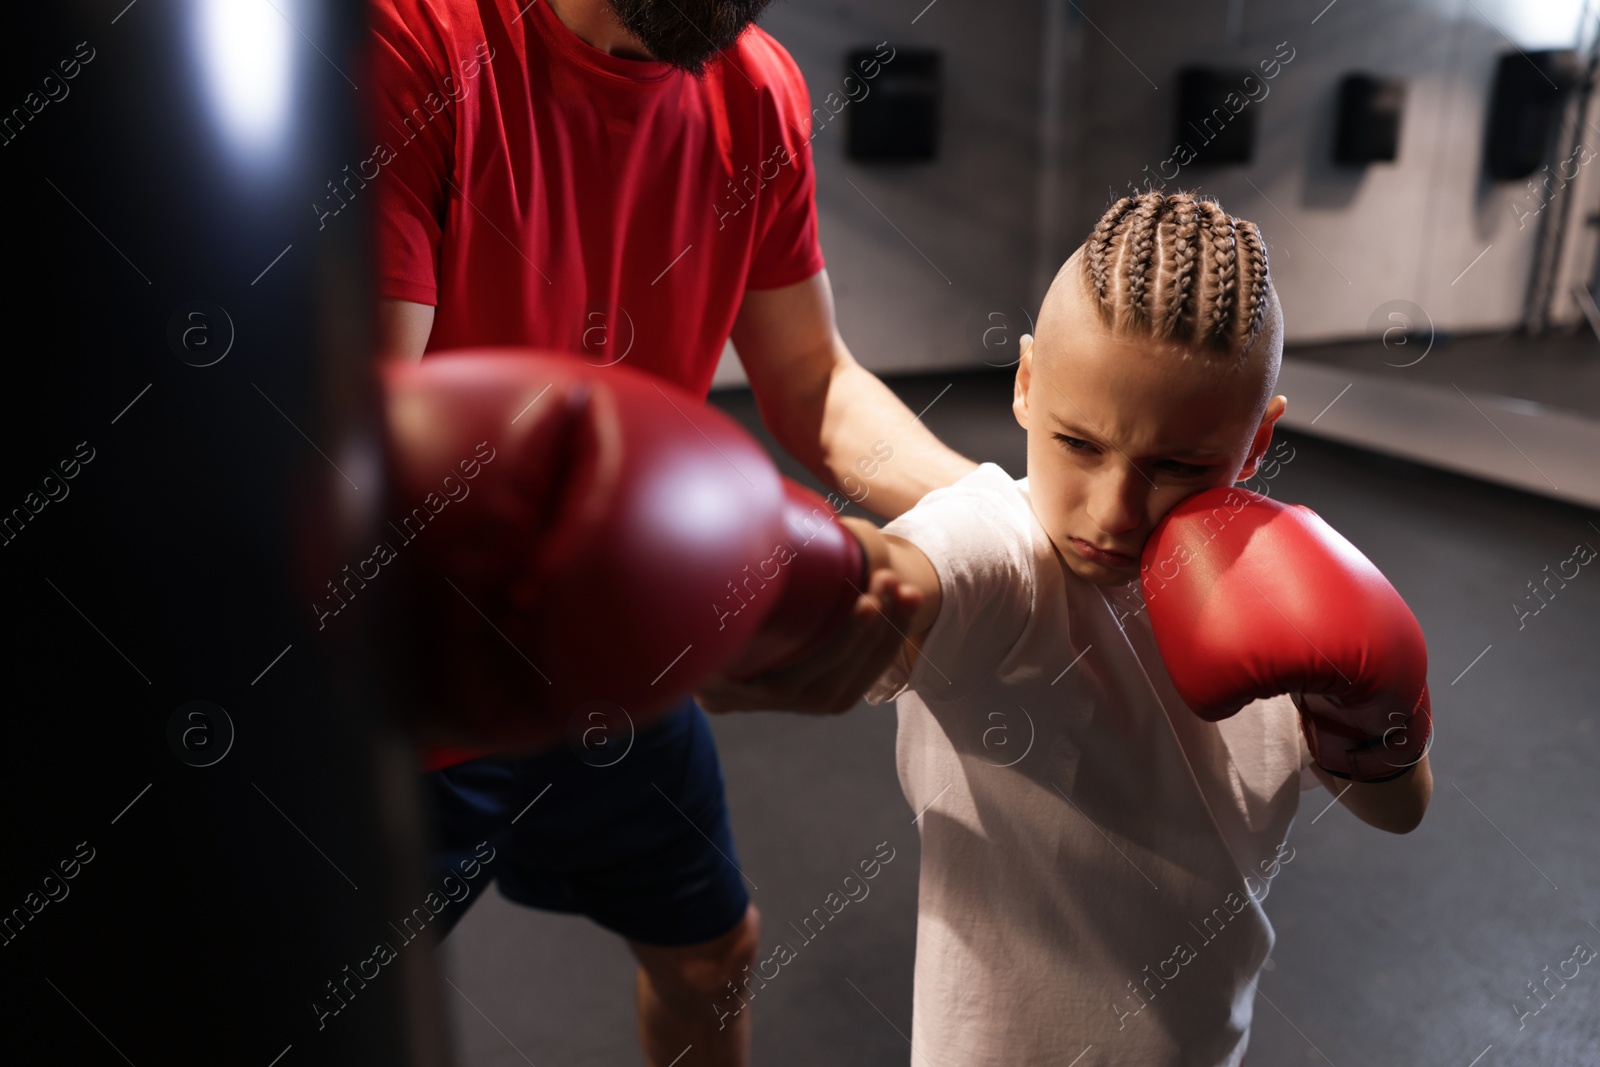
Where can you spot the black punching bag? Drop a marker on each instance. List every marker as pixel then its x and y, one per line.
pixel 211 837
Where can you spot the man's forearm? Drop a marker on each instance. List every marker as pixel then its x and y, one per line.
pixel 877 451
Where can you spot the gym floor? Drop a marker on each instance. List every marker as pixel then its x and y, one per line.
pixel 1391 950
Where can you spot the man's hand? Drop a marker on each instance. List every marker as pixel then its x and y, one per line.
pixel 833 679
pixel 844 666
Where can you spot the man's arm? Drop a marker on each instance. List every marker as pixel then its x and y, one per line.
pixel 827 411
pixel 403 329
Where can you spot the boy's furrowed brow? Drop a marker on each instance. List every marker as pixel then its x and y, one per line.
pixel 1070 430
pixel 1192 453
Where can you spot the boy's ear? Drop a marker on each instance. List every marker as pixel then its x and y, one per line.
pixel 1019 387
pixel 1263 438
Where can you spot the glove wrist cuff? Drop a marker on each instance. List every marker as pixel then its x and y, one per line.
pixel 1368 781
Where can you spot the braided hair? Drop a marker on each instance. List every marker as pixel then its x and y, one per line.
pixel 1178 267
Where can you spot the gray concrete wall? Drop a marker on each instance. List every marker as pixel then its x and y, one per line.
pixel 1342 241
pixel 1054 106
pixel 914 250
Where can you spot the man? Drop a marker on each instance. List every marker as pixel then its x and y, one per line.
pixel 631 180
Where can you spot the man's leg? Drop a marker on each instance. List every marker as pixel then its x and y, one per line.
pixel 685 1005
pixel 634 833
pixel 470 806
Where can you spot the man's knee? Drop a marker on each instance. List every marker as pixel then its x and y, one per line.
pixel 698 974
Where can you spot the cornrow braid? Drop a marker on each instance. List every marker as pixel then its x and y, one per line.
pixel 1098 245
pixel 1180 267
pixel 1256 282
pixel 1138 251
pixel 1218 328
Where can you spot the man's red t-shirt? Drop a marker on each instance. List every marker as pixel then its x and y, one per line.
pixel 538 191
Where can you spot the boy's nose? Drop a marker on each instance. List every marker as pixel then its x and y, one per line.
pixel 1117 503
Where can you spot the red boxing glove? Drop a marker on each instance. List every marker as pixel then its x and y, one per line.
pixel 821 568
pixel 824 570
pixel 1250 598
pixel 586 536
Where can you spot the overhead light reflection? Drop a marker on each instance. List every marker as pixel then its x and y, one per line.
pixel 1541 23
pixel 245 59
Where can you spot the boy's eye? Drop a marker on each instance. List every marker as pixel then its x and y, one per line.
pixel 1169 466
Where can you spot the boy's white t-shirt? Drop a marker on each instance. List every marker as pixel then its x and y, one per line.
pixel 1093 853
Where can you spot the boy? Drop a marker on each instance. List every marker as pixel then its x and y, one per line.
pixel 1094 853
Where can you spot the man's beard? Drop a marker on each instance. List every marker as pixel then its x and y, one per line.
pixel 687 34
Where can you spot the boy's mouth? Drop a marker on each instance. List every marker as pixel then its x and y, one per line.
pixel 1104 557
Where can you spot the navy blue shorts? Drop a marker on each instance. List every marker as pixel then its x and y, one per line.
pixel 633 835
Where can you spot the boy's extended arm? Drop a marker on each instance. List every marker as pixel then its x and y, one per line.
pixel 1396 806
pixel 912 567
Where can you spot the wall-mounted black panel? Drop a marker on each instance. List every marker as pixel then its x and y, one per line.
pixel 1368 126
pixel 894 115
pixel 1215 118
pixel 1530 89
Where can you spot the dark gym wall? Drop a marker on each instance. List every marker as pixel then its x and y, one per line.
pixel 202 829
